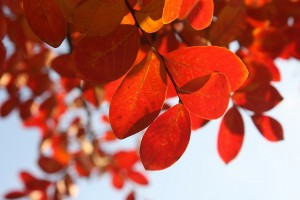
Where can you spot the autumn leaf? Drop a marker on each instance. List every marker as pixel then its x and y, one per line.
pixel 193 62
pixel 166 139
pixel 101 59
pixel 139 98
pixel 98 17
pixel 231 22
pixel 208 100
pixel 201 15
pixel 2 58
pixel 46 20
pixel 259 97
pixel 171 10
pixel 186 8
pixel 231 135
pixel 270 128
pixel 150 16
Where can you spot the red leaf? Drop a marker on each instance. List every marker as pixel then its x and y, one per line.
pixel 231 135
pixel 208 100
pixel 8 106
pixel 63 66
pixel 197 122
pixel 258 97
pixel 3 26
pixel 31 183
pixel 117 180
pixel 46 20
pixel 15 194
pixel 2 58
pixel 103 59
pixel 186 8
pixel 201 15
pixel 126 159
pixel 269 127
pixel 49 165
pixel 166 139
pixel 131 196
pixel 137 177
pixel 139 98
pixel 190 63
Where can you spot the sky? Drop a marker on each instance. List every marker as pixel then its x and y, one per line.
pixel 262 170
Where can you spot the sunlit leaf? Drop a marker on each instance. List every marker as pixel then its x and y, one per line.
pixel 140 97
pixel 231 135
pixel 171 10
pixel 193 62
pixel 186 8
pixel 270 128
pixel 166 139
pixel 150 16
pixel 46 20
pixel 208 100
pixel 201 15
pixel 104 59
pixel 98 17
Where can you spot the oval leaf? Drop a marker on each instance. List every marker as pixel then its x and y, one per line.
pixel 201 15
pixel 46 20
pixel 231 135
pixel 258 98
pixel 49 165
pixel 270 128
pixel 140 97
pixel 209 101
pixel 193 62
pixel 166 139
pixel 98 17
pixel 103 59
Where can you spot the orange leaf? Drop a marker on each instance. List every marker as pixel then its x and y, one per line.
pixel 186 8
pixel 270 128
pixel 201 15
pixel 150 16
pixel 171 10
pixel 231 135
pixel 166 139
pixel 208 100
pixel 193 62
pixel 103 59
pixel 258 97
pixel 46 20
pixel 140 97
pixel 98 17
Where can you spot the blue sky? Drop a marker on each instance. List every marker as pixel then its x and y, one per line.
pixel 262 170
